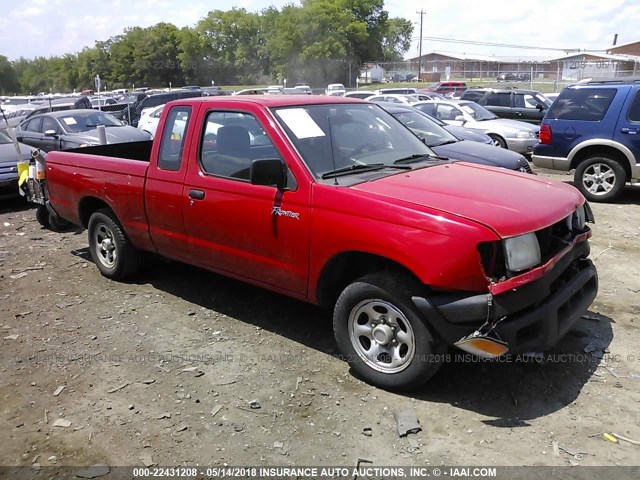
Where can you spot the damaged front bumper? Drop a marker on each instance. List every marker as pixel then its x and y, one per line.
pixel 531 312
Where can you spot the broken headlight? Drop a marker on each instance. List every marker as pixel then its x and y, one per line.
pixel 522 252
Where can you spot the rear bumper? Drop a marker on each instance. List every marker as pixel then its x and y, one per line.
pixel 521 145
pixel 552 163
pixel 536 315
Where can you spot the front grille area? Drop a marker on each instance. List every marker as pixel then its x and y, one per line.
pixel 552 240
pixel 525 168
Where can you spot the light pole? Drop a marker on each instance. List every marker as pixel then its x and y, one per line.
pixel 421 13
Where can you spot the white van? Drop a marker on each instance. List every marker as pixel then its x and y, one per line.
pixel 120 91
pixel 335 89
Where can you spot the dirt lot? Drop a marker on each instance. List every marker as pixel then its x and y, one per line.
pixel 163 370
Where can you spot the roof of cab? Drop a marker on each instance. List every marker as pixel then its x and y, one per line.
pixel 271 100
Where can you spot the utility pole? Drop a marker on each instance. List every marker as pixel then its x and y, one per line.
pixel 421 13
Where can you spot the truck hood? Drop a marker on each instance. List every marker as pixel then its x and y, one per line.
pixel 509 203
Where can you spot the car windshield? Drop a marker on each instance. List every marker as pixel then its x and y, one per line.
pixel 426 129
pixel 349 137
pixel 84 121
pixel 476 111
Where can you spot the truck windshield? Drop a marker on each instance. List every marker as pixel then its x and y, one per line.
pixel 339 136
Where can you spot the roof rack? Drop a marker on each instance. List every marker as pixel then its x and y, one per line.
pixel 619 80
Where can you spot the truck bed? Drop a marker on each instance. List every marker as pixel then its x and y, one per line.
pixel 130 150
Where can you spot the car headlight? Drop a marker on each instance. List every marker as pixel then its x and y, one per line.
pixel 522 252
pixel 525 134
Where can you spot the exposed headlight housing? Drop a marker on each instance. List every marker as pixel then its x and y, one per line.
pixel 525 134
pixel 522 252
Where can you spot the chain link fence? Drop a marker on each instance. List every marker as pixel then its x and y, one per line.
pixel 546 76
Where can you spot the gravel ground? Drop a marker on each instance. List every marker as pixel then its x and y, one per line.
pixel 181 366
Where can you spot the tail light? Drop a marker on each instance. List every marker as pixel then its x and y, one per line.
pixel 545 134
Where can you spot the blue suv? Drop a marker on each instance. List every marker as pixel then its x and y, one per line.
pixel 594 128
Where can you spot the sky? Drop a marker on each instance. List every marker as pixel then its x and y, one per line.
pixel 31 28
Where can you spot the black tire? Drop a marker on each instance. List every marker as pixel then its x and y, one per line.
pixel 42 216
pixel 58 224
pixel 387 296
pixel 113 253
pixel 498 141
pixel 600 178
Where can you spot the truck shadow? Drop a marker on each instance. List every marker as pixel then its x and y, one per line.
pixel 518 388
pixel 513 391
pixel 11 202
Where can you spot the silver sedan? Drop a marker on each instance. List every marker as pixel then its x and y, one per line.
pixel 512 134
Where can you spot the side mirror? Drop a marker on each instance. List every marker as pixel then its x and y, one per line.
pixel 460 118
pixel 269 172
pixel 540 107
pixel 50 133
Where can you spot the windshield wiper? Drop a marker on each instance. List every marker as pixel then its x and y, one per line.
pixel 446 142
pixel 359 167
pixel 418 157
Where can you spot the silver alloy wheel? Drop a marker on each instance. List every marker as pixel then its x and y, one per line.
pixel 381 335
pixel 599 179
pixel 105 245
pixel 495 142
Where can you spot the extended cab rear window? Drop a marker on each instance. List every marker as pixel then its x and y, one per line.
pixel 173 137
pixel 590 104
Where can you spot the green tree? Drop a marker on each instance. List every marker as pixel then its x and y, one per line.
pixel 8 77
pixel 231 45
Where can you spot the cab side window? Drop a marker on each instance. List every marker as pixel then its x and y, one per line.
pixel 230 142
pixel 173 138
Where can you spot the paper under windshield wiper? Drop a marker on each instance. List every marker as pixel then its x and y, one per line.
pixel 359 167
pixel 418 157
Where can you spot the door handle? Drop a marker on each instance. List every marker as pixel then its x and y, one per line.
pixel 630 131
pixel 196 194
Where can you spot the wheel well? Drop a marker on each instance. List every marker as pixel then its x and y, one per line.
pixel 346 267
pixel 88 205
pixel 602 151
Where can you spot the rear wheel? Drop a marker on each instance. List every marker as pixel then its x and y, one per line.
pixel 42 216
pixel 600 179
pixel 113 253
pixel 381 333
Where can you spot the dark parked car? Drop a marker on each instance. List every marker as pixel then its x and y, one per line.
pixel 158 99
pixel 515 103
pixel 8 162
pixel 513 77
pixel 447 145
pixel 75 128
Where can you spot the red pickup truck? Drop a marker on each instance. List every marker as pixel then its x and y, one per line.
pixel 335 202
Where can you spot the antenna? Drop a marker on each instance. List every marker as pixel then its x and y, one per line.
pixel 333 157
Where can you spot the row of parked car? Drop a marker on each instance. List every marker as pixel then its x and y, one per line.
pixel 592 128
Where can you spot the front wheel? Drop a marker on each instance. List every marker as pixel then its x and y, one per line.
pixel 498 141
pixel 113 253
pixel 600 179
pixel 381 334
